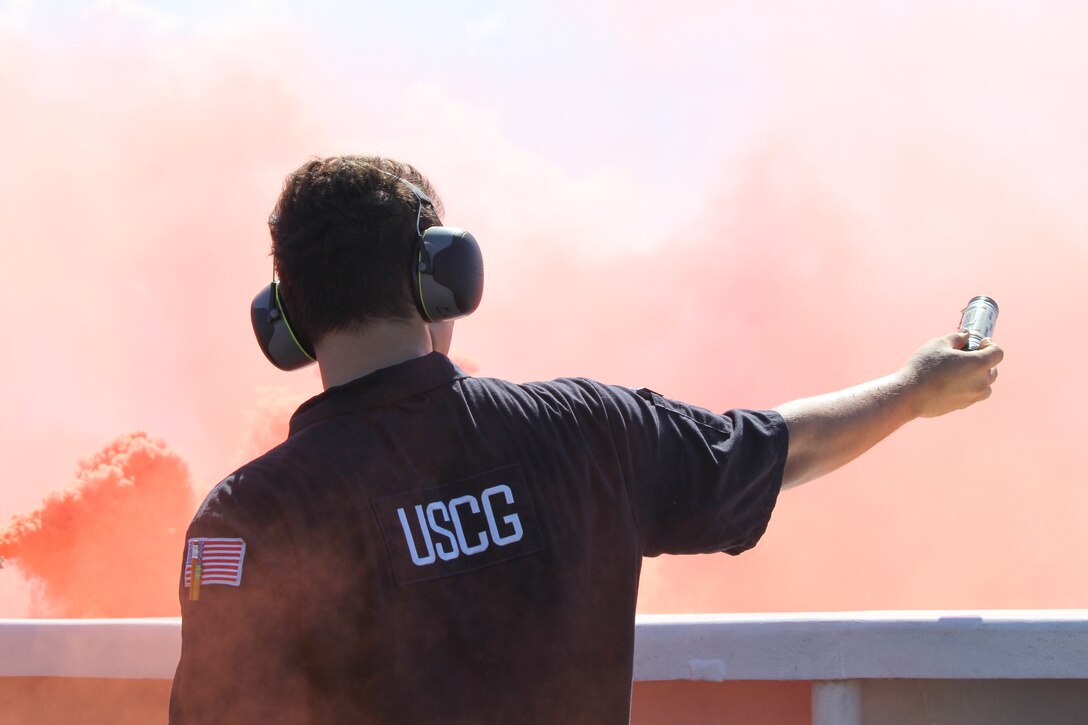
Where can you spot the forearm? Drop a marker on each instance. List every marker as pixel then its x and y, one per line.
pixel 828 431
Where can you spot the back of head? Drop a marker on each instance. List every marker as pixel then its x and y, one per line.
pixel 343 236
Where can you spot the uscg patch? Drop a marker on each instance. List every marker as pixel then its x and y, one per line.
pixel 459 527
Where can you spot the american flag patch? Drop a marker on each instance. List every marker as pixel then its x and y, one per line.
pixel 217 561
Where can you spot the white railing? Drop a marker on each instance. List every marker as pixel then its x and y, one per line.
pixel 1031 644
pixel 124 649
pixel 836 652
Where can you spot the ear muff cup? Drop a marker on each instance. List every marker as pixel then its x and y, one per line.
pixel 449 274
pixel 279 342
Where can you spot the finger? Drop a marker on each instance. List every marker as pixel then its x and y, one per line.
pixel 985 394
pixel 991 354
pixel 958 340
pixel 993 375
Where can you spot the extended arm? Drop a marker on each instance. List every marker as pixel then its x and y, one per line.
pixel 828 431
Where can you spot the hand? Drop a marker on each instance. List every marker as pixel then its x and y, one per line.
pixel 944 377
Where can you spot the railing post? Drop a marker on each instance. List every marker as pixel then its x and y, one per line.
pixel 836 703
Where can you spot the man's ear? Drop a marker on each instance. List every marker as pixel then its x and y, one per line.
pixel 441 335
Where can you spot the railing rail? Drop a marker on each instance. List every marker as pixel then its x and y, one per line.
pixel 839 653
pixel 1021 644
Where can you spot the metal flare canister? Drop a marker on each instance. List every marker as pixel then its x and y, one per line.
pixel 979 318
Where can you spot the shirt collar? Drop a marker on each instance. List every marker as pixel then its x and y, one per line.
pixel 382 386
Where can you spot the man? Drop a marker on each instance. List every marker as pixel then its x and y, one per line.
pixel 431 547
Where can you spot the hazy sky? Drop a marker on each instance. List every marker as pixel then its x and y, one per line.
pixel 734 204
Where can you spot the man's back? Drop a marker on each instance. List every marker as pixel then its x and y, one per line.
pixel 430 547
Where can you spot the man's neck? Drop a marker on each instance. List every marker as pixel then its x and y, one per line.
pixel 344 356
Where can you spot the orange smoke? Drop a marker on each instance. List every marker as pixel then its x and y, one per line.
pixel 825 198
pixel 109 545
pixel 269 421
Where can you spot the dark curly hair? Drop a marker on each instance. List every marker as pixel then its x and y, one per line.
pixel 343 233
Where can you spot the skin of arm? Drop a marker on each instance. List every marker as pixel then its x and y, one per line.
pixel 828 431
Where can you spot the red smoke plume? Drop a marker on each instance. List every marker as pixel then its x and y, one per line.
pixel 109 545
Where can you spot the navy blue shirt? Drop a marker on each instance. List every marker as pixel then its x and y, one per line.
pixel 428 546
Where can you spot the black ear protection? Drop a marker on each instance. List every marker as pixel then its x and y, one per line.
pixel 279 342
pixel 447 271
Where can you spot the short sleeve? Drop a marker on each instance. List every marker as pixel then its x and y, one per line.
pixel 241 648
pixel 698 482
